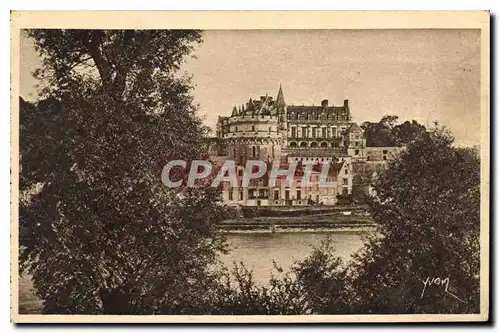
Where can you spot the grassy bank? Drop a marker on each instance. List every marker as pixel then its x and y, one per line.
pixel 299 219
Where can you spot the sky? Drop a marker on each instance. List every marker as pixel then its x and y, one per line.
pixel 426 75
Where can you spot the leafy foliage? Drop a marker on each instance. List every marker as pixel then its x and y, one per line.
pixel 99 233
pixel 386 133
pixel 240 294
pixel 427 209
pixel 345 199
pixel 316 285
pixel 324 280
pixel 427 205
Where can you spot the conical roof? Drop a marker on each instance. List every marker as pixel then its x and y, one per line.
pixel 280 100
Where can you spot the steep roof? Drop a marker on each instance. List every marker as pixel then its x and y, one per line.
pixel 312 108
pixel 354 128
pixel 280 100
pixel 335 169
pixel 320 153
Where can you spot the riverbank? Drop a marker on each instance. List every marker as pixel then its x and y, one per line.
pixel 362 229
pixel 327 219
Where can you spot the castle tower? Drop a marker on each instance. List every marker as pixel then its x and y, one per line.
pixel 255 133
pixel 281 106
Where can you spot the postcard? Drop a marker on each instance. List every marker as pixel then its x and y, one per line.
pixel 250 166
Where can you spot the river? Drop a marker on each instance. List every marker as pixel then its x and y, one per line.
pixel 255 250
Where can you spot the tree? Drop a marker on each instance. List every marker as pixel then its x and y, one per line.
pixel 386 133
pixel 99 233
pixel 324 281
pixel 427 208
pixel 379 134
pixel 239 294
pixel 427 211
pixel 408 132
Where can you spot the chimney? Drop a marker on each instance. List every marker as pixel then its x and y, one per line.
pixel 346 103
pixel 324 103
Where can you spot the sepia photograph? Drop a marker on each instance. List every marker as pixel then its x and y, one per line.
pixel 276 167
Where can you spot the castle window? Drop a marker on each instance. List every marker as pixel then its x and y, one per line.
pixel 293 144
pixel 356 152
pixel 323 132
pixel 236 130
pixel 253 128
pixel 253 151
pixel 230 194
pixel 314 132
pixel 294 132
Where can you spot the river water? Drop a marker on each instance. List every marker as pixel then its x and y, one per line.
pixel 255 250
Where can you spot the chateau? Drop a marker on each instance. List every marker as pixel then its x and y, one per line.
pixel 269 130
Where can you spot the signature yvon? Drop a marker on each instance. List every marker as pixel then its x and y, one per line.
pixel 439 282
